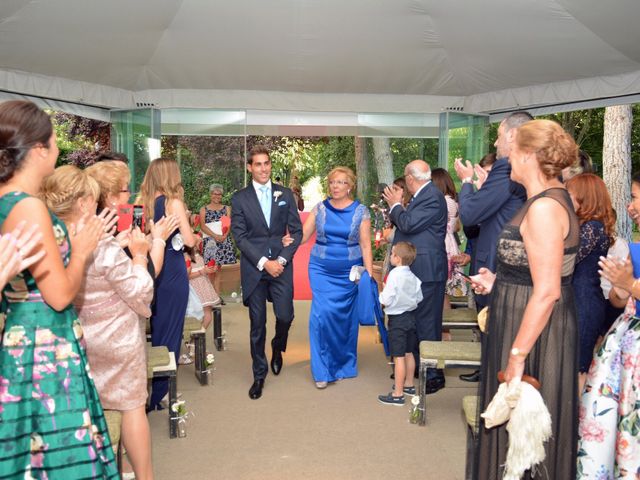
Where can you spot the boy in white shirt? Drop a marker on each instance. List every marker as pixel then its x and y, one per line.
pixel 400 297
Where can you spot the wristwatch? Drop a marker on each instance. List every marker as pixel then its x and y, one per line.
pixel 282 261
pixel 516 352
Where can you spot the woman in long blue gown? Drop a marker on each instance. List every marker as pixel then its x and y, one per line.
pixel 161 193
pixel 343 239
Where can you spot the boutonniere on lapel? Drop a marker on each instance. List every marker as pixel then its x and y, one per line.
pixel 276 195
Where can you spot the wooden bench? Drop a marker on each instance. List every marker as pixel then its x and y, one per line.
pixel 161 363
pixel 470 405
pixel 193 330
pixel 443 355
pixel 460 318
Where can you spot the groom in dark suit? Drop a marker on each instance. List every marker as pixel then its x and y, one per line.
pixel 261 214
pixel 424 223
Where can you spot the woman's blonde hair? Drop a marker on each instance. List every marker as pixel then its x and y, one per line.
pixel 62 189
pixel 163 176
pixel 555 149
pixel 351 178
pixel 110 175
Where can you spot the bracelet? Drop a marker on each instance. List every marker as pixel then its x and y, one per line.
pixel 139 255
pixel 159 240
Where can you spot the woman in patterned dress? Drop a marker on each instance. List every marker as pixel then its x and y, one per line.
pixel 51 421
pixel 456 286
pixel 609 432
pixel 216 247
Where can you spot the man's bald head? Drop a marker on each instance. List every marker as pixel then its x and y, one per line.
pixel 419 170
pixel 416 174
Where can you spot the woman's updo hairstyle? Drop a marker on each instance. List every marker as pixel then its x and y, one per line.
pixel 22 126
pixel 62 189
pixel 555 149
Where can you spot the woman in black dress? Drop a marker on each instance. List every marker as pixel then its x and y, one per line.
pixel 592 203
pixel 532 327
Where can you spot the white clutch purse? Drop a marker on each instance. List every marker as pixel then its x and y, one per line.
pixel 356 273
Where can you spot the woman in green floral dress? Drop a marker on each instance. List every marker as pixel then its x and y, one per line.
pixel 51 421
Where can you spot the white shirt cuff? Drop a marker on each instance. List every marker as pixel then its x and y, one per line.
pixel 394 206
pixel 261 263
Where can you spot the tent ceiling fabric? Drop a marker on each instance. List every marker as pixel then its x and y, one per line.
pixel 415 54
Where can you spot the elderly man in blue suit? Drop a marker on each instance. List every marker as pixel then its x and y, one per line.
pixel 494 204
pixel 424 224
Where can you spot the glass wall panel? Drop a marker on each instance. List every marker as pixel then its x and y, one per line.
pixel 462 136
pixel 210 146
pixel 136 133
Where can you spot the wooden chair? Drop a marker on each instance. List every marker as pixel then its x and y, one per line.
pixel 193 330
pixel 470 405
pixel 460 318
pixel 161 363
pixel 443 355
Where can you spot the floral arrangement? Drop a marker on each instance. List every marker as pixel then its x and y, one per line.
pixel 276 194
pixel 414 413
pixel 210 358
pixel 180 408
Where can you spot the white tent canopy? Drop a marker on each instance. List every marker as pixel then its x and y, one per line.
pixel 332 55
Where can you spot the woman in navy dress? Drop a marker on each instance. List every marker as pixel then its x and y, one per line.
pixel 597 228
pixel 343 240
pixel 162 193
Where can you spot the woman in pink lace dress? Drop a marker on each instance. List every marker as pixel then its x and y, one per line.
pixel 455 284
pixel 115 294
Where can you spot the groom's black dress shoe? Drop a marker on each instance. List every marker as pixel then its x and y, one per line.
pixel 471 377
pixel 276 362
pixel 432 386
pixel 255 392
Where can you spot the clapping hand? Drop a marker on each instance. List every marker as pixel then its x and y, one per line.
pixel 392 194
pixel 110 218
pixel 481 176
pixel 461 259
pixel 87 233
pixel 463 170
pixel 483 281
pixel 619 272
pixel 164 227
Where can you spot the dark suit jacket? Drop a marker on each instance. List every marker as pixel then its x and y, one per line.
pixel 490 208
pixel 256 240
pixel 424 224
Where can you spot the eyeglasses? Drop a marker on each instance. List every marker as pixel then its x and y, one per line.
pixel 338 182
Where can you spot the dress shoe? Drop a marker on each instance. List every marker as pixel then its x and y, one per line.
pixel 470 377
pixel 321 385
pixel 433 386
pixel 276 362
pixel 255 392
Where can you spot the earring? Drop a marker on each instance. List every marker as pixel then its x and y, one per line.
pixel 349 192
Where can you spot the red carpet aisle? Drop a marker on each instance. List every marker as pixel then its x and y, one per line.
pixel 301 287
pixel 297 432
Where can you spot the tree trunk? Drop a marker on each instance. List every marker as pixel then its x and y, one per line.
pixel 384 159
pixel 362 168
pixel 616 163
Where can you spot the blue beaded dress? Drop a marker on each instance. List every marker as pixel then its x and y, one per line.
pixel 333 322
